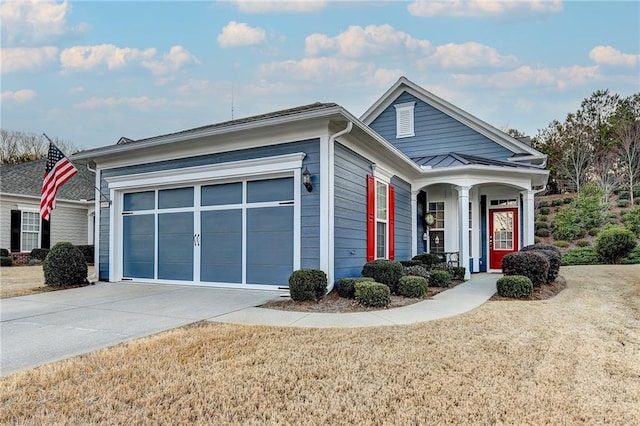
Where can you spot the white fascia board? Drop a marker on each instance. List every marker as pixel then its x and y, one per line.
pixel 232 169
pixel 478 174
pixel 202 133
pixel 473 122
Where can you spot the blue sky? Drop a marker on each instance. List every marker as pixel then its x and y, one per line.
pixel 91 72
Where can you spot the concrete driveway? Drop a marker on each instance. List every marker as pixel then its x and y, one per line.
pixel 46 327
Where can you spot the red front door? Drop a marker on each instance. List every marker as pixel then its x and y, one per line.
pixel 503 235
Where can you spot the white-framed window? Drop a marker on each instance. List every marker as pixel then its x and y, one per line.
pixel 30 232
pixel 436 231
pixel 405 120
pixel 382 201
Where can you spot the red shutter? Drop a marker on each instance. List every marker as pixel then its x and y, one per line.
pixel 371 218
pixel 392 223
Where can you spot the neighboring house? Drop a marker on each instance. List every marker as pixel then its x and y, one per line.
pixel 226 204
pixel 22 230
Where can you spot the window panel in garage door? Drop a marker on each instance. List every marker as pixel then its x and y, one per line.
pixel 138 246
pixel 221 246
pixel 175 246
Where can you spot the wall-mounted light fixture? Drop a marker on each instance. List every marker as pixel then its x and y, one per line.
pixel 306 179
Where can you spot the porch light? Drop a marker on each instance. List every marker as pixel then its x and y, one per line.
pixel 306 179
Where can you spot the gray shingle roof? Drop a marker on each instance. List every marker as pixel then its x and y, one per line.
pixel 275 114
pixel 26 179
pixel 456 159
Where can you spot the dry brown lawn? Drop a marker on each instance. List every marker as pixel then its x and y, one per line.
pixel 572 359
pixel 23 280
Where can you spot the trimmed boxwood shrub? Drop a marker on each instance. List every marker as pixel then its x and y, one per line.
pixel 543 203
pixel 412 286
pixel 440 278
pixel 347 286
pixel 4 253
pixel 514 286
pixel 407 263
pixel 64 265
pixel 557 202
pixel 583 243
pixel 623 203
pixel 457 272
pixel 6 261
pixel 561 244
pixel 541 225
pixel 541 218
pixel 417 271
pixel 544 210
pixel 567 200
pixel 632 258
pixel 430 260
pixel 39 253
pixel 553 257
pixel 581 256
pixel 623 195
pixel 307 284
pixel 387 272
pixel 531 264
pixel 537 239
pixel 613 243
pixel 87 252
pixel 371 293
pixel 542 232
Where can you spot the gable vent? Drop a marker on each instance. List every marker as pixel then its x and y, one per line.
pixel 404 120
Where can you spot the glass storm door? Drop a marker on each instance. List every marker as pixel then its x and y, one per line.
pixel 503 235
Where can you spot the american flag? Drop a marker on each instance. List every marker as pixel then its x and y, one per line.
pixel 57 171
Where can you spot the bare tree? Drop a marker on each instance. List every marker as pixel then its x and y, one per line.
pixel 628 150
pixel 18 147
pixel 577 150
pixel 605 171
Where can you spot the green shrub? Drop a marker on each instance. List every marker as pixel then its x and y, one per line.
pixel 4 253
pixel 561 243
pixel 623 203
pixel 636 192
pixel 631 220
pixel 6 261
pixel 39 254
pixel 567 200
pixel 412 286
pixel 544 210
pixel 614 243
pixel 553 255
pixel 541 217
pixel 557 202
pixel 632 258
pixel 537 239
pixel 307 284
pixel 612 215
pixel 581 256
pixel 583 243
pixel 589 204
pixel 566 224
pixel 430 260
pixel 417 271
pixel 87 252
pixel 64 265
pixel 440 279
pixel 407 263
pixel 594 231
pixel 543 232
pixel 541 225
pixel 457 272
pixel 514 286
pixel 372 294
pixel 347 286
pixel 623 195
pixel 543 203
pixel 531 264
pixel 387 272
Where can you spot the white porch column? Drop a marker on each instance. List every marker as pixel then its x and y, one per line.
pixel 528 212
pixel 463 228
pixel 414 222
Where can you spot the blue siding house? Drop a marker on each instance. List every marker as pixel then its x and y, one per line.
pixel 244 203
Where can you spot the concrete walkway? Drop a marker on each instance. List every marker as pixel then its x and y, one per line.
pixel 462 298
pixel 47 327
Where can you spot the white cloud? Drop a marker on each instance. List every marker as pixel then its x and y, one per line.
pixel 312 68
pixel 27 22
pixel 77 89
pixel 268 6
pixel 523 76
pixel 607 55
pixel 240 34
pixel 192 86
pixel 357 41
pixel 177 58
pixel 26 58
pixel 468 55
pixel 24 95
pixel 481 8
pixel 84 58
pixel 138 103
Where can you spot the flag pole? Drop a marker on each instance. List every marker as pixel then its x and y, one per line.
pixel 93 183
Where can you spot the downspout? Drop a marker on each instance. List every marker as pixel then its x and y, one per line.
pixel 331 207
pixel 93 278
